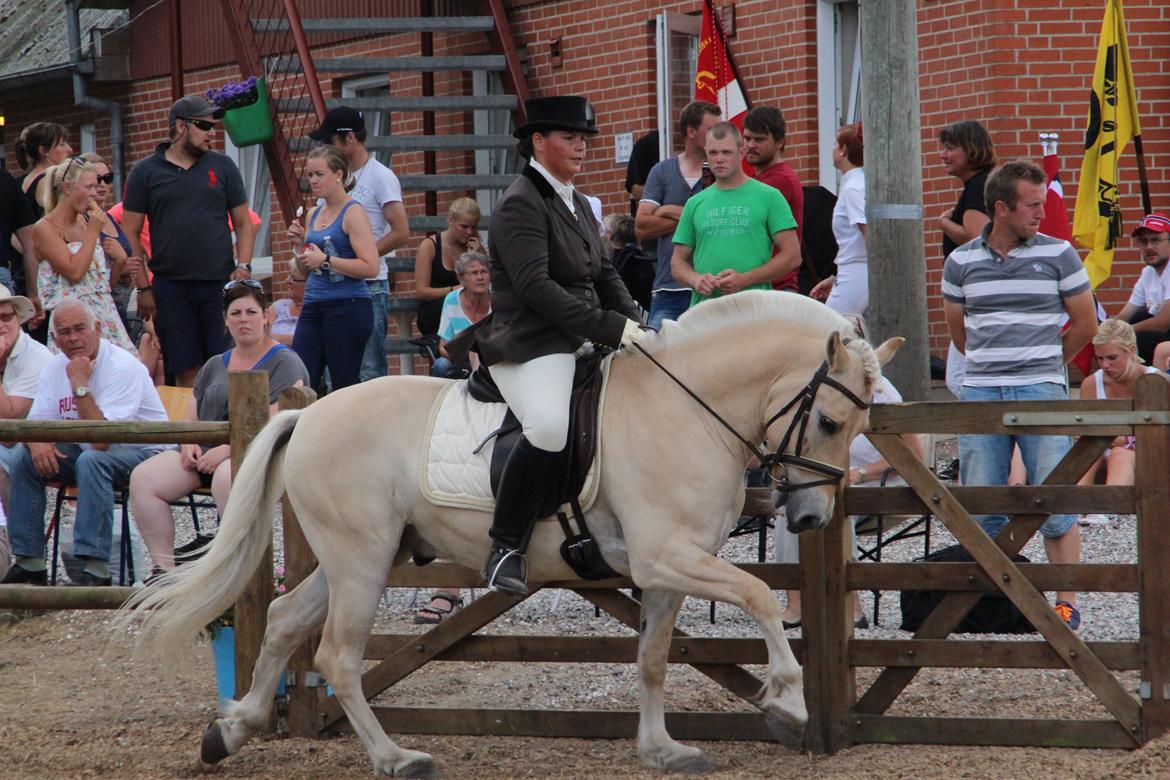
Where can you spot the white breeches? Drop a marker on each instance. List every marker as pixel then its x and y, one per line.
pixel 850 293
pixel 538 393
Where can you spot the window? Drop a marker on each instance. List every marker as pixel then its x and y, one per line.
pixel 377 122
pixel 677 56
pixel 254 169
pixel 838 77
pixel 87 138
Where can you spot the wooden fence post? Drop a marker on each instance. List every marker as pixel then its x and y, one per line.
pixel 838 682
pixel 1152 394
pixel 248 402
pixel 299 562
pixel 812 621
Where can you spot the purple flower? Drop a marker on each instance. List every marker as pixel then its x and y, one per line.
pixel 234 94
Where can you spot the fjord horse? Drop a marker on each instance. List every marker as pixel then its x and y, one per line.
pixel 671 490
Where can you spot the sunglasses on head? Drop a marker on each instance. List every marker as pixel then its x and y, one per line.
pixel 202 124
pixel 251 284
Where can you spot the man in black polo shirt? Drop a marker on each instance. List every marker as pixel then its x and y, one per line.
pixel 188 192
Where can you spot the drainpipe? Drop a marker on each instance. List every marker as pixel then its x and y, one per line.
pixel 80 98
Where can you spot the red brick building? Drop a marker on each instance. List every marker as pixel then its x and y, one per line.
pixel 1019 66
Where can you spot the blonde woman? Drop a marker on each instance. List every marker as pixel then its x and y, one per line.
pixel 1115 346
pixel 434 262
pixel 71 242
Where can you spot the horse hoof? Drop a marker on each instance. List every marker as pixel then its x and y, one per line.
pixel 786 732
pixel 689 765
pixel 212 749
pixel 419 768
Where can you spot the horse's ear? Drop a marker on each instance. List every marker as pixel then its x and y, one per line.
pixel 838 355
pixel 888 348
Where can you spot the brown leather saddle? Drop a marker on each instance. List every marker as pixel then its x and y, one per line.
pixel 579 549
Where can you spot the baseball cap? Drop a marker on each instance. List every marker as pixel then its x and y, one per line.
pixel 339 120
pixel 193 107
pixel 1155 223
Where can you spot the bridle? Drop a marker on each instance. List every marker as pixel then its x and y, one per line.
pixel 776 463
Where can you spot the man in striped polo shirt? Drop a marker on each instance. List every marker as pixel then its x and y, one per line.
pixel 1005 296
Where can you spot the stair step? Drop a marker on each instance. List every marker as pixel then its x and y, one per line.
pixel 400 264
pixel 457 181
pixel 406 103
pixel 402 304
pixel 435 224
pixel 425 143
pixel 400 347
pixel 382 25
pixel 292 64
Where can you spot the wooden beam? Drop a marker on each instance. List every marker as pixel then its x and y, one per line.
pixel 1018 732
pixel 1113 499
pixel 248 401
pixel 443 575
pixel 89 432
pixel 1153 467
pixel 922 575
pixel 589 724
pixel 981 417
pixel 38 597
pixel 981 654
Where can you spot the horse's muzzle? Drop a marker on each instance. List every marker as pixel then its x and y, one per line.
pixel 803 523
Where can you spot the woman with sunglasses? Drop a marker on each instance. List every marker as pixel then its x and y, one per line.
pixel 68 239
pixel 114 241
pixel 337 255
pixel 171 475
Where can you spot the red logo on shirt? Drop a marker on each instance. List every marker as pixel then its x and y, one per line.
pixel 211 178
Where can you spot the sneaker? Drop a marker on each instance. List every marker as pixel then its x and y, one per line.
pixel 155 575
pixel 87 579
pixel 1088 520
pixel 1069 614
pixel 192 549
pixel 20 576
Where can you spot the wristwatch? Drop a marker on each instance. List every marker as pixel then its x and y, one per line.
pixel 81 392
pixel 325 264
pixel 246 266
pixel 861 475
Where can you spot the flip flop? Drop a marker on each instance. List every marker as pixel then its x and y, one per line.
pixel 431 615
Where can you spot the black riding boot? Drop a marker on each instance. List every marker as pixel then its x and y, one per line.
pixel 522 489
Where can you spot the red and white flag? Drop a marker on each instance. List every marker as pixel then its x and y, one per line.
pixel 1055 222
pixel 716 76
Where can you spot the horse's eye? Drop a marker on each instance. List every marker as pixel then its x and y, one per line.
pixel 829 425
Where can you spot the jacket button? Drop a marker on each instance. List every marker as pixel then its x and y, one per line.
pixel 588 293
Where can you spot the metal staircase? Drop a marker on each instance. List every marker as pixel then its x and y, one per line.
pixel 271 39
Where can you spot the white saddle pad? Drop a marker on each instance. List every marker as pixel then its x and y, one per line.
pixel 453 473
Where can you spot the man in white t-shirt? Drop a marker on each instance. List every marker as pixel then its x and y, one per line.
pixel 91 379
pixel 377 189
pixel 21 362
pixel 1147 310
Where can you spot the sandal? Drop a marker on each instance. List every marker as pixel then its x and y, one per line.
pixel 433 615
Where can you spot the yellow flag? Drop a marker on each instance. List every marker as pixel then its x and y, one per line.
pixel 1113 123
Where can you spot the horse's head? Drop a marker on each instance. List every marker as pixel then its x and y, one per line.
pixel 810 429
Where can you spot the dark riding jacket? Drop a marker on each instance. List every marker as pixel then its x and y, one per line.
pixel 553 280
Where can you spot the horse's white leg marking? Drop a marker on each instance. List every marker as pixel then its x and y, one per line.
pixel 291 618
pixel 655 747
pixel 357 578
pixel 683 567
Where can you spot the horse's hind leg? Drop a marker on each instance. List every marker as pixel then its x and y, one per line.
pixel 291 618
pixel 354 594
pixel 687 568
pixel 655 747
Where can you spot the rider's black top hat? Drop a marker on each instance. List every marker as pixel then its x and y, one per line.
pixel 565 112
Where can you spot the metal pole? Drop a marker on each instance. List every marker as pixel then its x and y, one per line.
pixel 893 176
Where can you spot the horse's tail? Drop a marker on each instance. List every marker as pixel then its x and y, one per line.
pixel 191 596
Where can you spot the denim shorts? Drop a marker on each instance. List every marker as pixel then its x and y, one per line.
pixel 986 459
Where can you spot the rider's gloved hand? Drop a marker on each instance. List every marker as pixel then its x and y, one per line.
pixel 632 333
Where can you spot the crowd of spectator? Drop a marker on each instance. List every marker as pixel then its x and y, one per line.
pixel 100 302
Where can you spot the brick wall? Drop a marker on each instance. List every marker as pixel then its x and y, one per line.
pixel 1019 66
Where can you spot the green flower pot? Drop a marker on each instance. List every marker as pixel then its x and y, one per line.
pixel 252 124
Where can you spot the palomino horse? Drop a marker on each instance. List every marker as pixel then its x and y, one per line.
pixel 671 490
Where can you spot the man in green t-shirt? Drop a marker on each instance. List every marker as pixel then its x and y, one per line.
pixel 725 236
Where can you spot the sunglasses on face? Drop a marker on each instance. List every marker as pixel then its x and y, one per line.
pixel 251 284
pixel 7 316
pixel 106 178
pixel 202 124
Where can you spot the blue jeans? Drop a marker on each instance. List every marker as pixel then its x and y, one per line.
pixel 668 305
pixel 333 334
pixel 986 459
pixel 374 358
pixel 96 473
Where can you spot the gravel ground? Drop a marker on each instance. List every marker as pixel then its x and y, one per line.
pixel 125 716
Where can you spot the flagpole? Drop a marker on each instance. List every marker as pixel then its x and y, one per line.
pixel 1145 182
pixel 717 20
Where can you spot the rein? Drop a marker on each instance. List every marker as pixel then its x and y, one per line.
pixel 803 402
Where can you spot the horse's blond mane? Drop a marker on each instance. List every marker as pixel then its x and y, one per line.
pixel 759 306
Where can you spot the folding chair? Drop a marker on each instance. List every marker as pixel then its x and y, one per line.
pixel 69 493
pixel 177 401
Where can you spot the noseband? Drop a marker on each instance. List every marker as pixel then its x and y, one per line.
pixel 776 463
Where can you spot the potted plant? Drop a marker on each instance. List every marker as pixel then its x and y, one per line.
pixel 222 633
pixel 246 113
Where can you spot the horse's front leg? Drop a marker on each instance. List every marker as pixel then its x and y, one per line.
pixel 683 567
pixel 291 618
pixel 655 747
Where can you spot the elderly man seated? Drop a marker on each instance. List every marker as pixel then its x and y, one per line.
pixel 21 361
pixel 92 379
